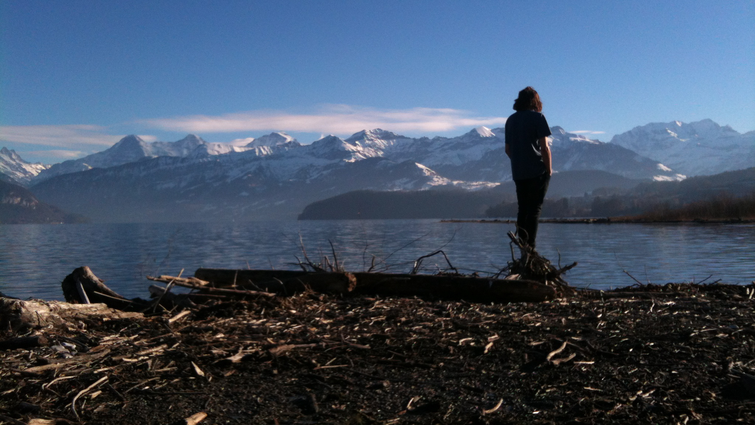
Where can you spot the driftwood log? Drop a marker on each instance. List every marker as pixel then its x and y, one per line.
pixel 454 287
pixel 279 281
pixel 19 315
pixel 83 287
pixel 24 342
pixel 402 285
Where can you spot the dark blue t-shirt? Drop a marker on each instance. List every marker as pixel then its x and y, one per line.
pixel 523 130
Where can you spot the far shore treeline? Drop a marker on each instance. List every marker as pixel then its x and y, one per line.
pixel 726 196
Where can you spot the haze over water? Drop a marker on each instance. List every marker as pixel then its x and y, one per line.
pixel 34 259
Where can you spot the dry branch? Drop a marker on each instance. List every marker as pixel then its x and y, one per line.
pixel 532 266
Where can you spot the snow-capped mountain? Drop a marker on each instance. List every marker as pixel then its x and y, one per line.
pixel 275 177
pixel 697 148
pixel 574 152
pixel 132 148
pixel 272 139
pixel 16 169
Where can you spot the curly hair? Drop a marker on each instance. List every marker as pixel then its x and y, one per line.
pixel 528 100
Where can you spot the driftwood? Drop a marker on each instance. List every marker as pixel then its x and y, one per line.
pixel 403 285
pixel 454 287
pixel 207 291
pixel 192 420
pixel 24 342
pixel 83 287
pixel 534 267
pixel 181 300
pixel 19 315
pixel 532 278
pixel 279 281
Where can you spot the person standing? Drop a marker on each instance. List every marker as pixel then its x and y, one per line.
pixel 527 146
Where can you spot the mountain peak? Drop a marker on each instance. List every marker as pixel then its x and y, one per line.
pixel 191 138
pixel 13 166
pixel 130 141
pixel 477 132
pixel 272 139
pixel 484 131
pixel 373 135
pixel 11 155
pixel 333 147
pixel 329 140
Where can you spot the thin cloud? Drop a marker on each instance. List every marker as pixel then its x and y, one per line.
pixel 241 142
pixel 332 119
pixel 61 136
pixel 56 153
pixel 587 132
pixel 146 137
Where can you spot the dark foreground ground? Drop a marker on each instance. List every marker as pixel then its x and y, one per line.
pixel 675 354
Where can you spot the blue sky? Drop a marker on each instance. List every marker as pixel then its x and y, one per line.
pixel 76 76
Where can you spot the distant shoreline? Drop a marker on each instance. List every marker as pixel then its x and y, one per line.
pixel 608 220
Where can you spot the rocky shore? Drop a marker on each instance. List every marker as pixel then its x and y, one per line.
pixel 678 353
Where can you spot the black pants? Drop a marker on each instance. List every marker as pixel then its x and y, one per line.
pixel 530 194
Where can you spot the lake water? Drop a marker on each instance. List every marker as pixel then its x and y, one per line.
pixel 34 259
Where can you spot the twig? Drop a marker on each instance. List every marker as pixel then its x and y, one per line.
pixel 702 281
pixel 280 349
pixel 84 391
pixel 556 351
pixel 418 262
pixel 225 291
pixel 494 409
pixel 195 418
pixel 638 282
pixel 168 287
pixel 335 257
pixel 397 250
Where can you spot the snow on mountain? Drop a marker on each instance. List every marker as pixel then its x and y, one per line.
pixel 129 149
pixel 272 139
pixel 213 149
pixel 332 147
pixel 560 139
pixel 697 148
pixel 16 169
pixel 379 139
pixel 274 176
pixel 484 131
pixel 132 148
pixel 435 178
pixel 572 152
pixel 457 151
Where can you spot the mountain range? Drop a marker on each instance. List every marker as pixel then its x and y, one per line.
pixel 694 149
pixel 274 176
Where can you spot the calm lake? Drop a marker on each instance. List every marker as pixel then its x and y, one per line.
pixel 34 259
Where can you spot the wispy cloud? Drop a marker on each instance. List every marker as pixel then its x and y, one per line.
pixel 587 132
pixel 241 142
pixel 61 136
pixel 59 154
pixel 332 119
